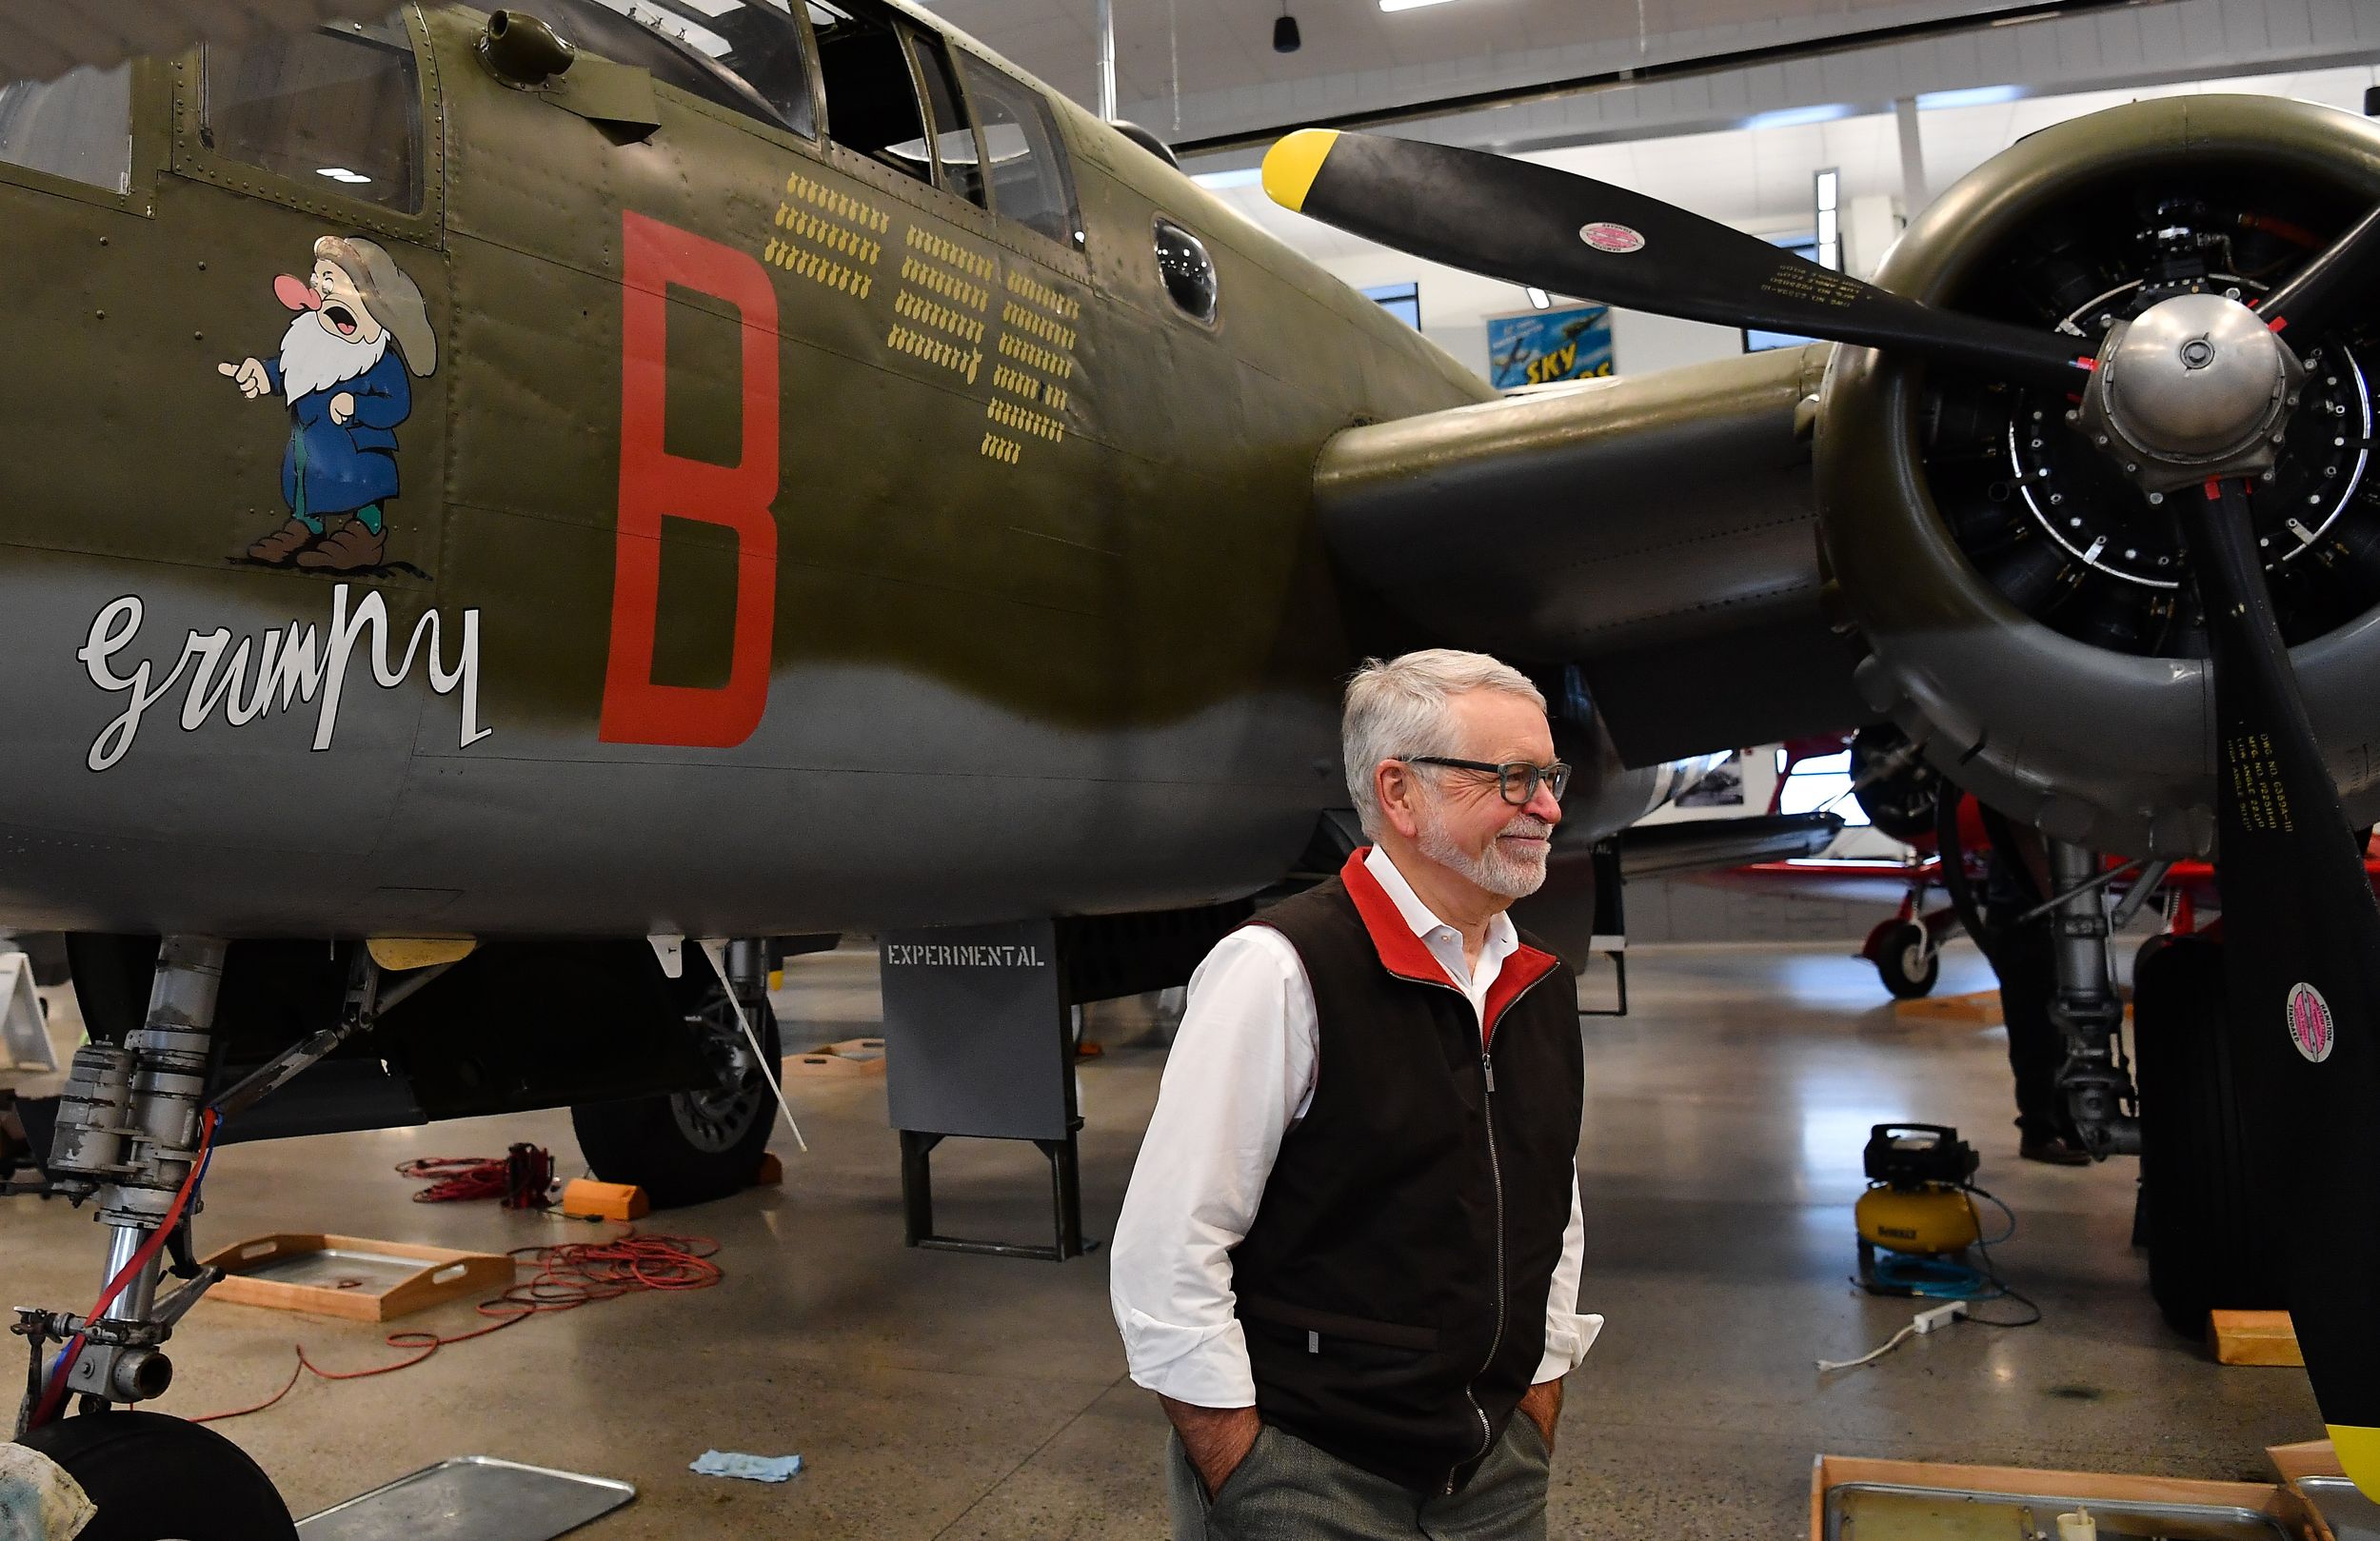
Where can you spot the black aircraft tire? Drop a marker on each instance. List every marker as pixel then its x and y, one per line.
pixel 1895 958
pixel 651 1141
pixel 155 1478
pixel 2209 1242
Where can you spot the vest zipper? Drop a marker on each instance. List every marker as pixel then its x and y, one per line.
pixel 1496 1176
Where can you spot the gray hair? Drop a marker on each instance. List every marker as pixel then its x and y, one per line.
pixel 1400 708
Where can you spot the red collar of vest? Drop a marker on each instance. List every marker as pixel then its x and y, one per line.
pixel 1405 956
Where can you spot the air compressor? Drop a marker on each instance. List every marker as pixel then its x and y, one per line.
pixel 1917 1209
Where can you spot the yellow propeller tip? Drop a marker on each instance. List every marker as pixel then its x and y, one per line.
pixel 2359 1450
pixel 1291 166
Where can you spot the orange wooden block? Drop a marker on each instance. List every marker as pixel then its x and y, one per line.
pixel 1981 1008
pixel 587 1200
pixel 772 1171
pixel 352 1277
pixel 2312 1458
pixel 2253 1338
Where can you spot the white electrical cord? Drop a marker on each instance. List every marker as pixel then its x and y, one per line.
pixel 1925 1321
pixel 716 953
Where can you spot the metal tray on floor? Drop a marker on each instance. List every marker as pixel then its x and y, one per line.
pixel 470 1499
pixel 2351 1515
pixel 1895 1511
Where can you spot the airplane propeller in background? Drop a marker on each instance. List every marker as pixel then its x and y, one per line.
pixel 1533 225
pixel 2303 930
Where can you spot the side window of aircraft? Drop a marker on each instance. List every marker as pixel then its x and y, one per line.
pixel 872 101
pixel 79 125
pixel 1031 181
pixel 745 55
pixel 341 105
pixel 1188 271
pixel 955 145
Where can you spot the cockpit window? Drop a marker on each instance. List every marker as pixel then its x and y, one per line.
pixel 745 55
pixel 1029 176
pixel 756 41
pixel 954 131
pixel 78 125
pixel 338 110
pixel 872 101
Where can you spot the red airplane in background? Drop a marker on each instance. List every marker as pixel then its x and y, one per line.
pixel 1898 793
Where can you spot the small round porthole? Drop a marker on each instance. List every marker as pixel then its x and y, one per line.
pixel 1188 271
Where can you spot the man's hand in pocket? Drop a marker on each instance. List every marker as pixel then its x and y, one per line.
pixel 1543 1406
pixel 1217 1440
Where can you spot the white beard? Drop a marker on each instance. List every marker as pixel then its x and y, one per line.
pixel 312 359
pixel 1494 869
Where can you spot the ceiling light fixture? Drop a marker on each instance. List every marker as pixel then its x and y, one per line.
pixel 1539 298
pixel 1408 5
pixel 1285 38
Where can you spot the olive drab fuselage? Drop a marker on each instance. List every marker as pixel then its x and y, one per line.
pixel 740 536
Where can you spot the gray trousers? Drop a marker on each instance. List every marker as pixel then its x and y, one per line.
pixel 1288 1490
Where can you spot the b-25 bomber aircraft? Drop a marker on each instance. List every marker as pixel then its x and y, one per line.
pixel 492 490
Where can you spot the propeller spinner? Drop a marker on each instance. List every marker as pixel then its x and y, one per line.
pixel 2195 393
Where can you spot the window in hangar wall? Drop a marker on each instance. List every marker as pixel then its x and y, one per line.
pixel 1818 782
pixel 1403 301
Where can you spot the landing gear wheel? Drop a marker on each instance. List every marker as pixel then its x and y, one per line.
pixel 155 1478
pixel 691 1147
pixel 2211 1244
pixel 1907 962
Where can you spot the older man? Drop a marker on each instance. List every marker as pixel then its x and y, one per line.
pixel 1350 1253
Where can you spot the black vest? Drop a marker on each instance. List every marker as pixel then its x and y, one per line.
pixel 1393 1287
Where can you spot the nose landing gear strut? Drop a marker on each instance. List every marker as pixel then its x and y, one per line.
pixel 135 1126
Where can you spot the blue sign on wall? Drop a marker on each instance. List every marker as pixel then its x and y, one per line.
pixel 1537 346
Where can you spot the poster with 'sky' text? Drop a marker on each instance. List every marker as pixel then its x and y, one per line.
pixel 1537 347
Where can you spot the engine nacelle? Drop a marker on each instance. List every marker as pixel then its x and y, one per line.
pixel 2028 612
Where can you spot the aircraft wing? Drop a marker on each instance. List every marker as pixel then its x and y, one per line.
pixel 43 39
pixel 1657 530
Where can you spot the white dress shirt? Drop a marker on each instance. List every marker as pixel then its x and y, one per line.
pixel 1241 1074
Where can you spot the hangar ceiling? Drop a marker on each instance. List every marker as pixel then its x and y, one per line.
pixel 1759 178
pixel 1198 71
pixel 1216 54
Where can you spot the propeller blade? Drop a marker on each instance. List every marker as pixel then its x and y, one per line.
pixel 1529 224
pixel 2302 960
pixel 2346 267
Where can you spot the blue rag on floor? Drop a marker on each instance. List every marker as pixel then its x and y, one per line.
pixel 725 1463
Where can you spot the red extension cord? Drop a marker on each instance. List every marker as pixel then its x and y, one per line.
pixel 568 1277
pixel 520 1178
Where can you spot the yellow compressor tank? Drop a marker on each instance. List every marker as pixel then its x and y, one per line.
pixel 1924 1220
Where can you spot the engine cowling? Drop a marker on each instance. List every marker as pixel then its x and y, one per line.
pixel 2028 612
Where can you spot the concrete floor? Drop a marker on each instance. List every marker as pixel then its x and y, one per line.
pixel 943 1397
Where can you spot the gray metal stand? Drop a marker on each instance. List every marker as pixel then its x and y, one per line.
pixel 916 1201
pixel 979 1044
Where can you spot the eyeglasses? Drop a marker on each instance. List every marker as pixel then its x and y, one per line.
pixel 1516 779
